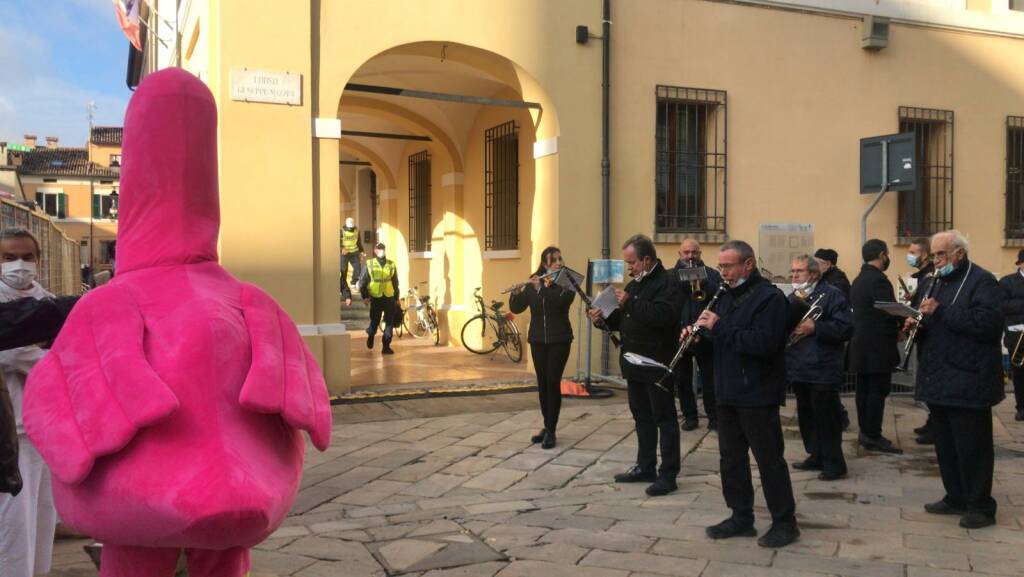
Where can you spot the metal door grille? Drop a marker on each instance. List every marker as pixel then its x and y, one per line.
pixel 929 209
pixel 690 160
pixel 501 187
pixel 419 202
pixel 1015 177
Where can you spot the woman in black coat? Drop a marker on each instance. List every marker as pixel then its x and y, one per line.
pixel 550 337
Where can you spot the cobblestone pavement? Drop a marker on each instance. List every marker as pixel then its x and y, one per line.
pixel 465 494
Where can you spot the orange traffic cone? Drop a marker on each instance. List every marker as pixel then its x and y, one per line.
pixel 573 389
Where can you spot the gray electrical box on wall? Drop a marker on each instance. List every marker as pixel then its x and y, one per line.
pixel 875 33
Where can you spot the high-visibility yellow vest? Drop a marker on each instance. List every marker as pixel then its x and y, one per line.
pixel 350 239
pixel 380 278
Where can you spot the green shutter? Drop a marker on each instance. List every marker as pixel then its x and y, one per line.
pixel 97 206
pixel 62 205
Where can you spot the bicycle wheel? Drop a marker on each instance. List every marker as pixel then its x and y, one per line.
pixel 480 335
pixel 513 342
pixel 414 323
pixel 433 326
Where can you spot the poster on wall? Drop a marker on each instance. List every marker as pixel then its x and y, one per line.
pixel 778 244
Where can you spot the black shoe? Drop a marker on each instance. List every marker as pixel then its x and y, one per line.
pixel 712 425
pixel 831 475
pixel 369 341
pixel 635 475
pixel 881 445
pixel 731 528
pixel 941 507
pixel 807 464
pixel 779 536
pixel 662 487
pixel 549 439
pixel 1019 416
pixel 926 439
pixel 538 437
pixel 387 350
pixel 688 424
pixel 977 520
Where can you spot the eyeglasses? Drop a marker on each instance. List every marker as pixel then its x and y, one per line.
pixel 724 266
pixel 943 254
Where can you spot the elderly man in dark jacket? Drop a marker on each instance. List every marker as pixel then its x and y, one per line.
pixel 1013 308
pixel 748 329
pixel 961 378
pixel 874 353
pixel 689 259
pixel 814 367
pixel 648 321
pixel 828 260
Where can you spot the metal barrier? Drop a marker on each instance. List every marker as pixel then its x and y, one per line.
pixel 60 272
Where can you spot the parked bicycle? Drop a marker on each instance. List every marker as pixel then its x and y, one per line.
pixel 420 318
pixel 492 328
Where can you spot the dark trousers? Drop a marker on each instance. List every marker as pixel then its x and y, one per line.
pixel 382 307
pixel 347 259
pixel 684 384
pixel 872 389
pixel 1018 386
pixel 549 364
pixel 741 431
pixel 821 427
pixel 654 414
pixel 963 445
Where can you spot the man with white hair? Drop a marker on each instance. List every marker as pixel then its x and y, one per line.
pixel 960 377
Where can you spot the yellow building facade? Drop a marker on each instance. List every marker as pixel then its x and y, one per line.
pixel 724 117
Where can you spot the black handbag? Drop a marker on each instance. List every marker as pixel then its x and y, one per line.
pixel 10 476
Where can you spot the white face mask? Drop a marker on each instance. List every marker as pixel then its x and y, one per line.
pixel 801 286
pixel 379 253
pixel 349 223
pixel 19 274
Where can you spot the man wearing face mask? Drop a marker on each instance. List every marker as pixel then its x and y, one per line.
pixel 28 548
pixel 960 376
pixel 648 321
pixel 1013 309
pixel 748 328
pixel 690 258
pixel 874 353
pixel 379 286
pixel 919 256
pixel 351 251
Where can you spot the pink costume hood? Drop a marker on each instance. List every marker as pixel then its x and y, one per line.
pixel 169 211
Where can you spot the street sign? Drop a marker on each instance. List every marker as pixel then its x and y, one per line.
pixel 251 85
pixel 902 165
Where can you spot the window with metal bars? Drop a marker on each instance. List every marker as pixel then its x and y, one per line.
pixel 1015 177
pixel 929 209
pixel 690 160
pixel 501 187
pixel 419 202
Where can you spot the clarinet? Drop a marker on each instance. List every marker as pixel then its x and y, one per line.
pixel 586 300
pixel 690 339
pixel 912 336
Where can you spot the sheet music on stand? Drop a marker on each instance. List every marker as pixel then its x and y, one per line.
pixel 565 278
pixel 898 309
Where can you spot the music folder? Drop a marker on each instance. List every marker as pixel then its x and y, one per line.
pixel 898 309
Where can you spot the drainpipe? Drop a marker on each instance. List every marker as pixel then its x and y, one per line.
pixel 606 34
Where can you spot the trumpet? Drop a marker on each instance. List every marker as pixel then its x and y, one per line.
pixel 690 338
pixel 694 275
pixel 519 285
pixel 1017 358
pixel 695 288
pixel 813 313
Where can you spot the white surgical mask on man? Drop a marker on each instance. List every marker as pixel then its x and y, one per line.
pixel 349 223
pixel 379 252
pixel 18 274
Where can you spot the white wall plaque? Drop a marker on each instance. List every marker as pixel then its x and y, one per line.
pixel 779 243
pixel 250 85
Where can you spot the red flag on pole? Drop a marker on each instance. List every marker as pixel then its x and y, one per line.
pixel 128 18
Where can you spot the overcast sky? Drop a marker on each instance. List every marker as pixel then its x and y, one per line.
pixel 56 57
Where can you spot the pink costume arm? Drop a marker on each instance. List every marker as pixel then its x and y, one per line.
pixel 95 389
pixel 283 378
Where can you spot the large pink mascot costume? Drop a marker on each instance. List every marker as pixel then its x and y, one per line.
pixel 169 408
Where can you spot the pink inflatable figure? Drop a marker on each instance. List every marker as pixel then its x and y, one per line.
pixel 169 409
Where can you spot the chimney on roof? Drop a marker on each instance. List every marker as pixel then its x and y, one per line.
pixel 51 142
pixel 30 140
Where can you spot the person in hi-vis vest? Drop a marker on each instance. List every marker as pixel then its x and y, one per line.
pixel 379 285
pixel 351 253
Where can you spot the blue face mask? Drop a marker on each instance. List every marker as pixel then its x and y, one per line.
pixel 740 281
pixel 913 260
pixel 946 270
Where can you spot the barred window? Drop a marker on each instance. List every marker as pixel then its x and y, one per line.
pixel 501 187
pixel 690 160
pixel 929 209
pixel 419 202
pixel 1015 177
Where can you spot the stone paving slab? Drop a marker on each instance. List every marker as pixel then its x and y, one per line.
pixel 432 492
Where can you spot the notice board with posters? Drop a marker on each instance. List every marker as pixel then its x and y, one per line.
pixel 779 243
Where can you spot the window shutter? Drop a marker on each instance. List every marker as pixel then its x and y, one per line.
pixel 62 205
pixel 97 206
